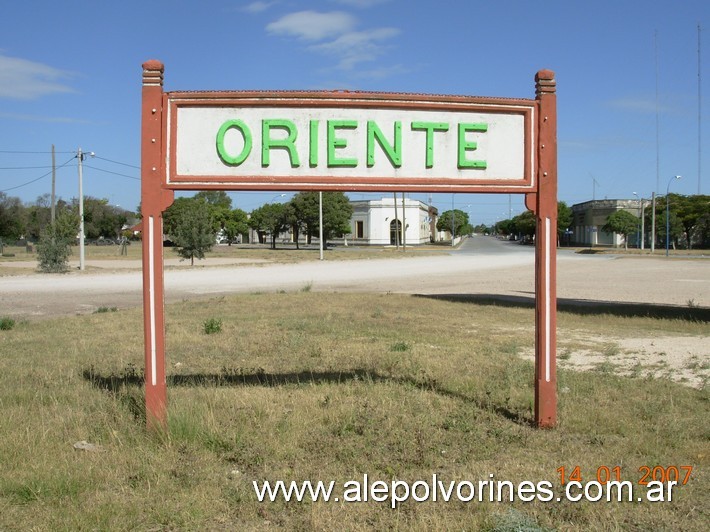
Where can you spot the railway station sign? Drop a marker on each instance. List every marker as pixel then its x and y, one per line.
pixel 348 141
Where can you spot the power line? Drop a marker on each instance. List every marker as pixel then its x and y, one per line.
pixel 117 162
pixel 38 152
pixel 38 178
pixel 23 167
pixel 110 172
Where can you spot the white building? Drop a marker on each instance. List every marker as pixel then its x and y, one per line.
pixel 591 216
pixel 377 222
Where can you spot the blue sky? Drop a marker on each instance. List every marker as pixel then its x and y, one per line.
pixel 70 75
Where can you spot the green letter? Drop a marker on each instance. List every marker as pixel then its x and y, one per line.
pixel 313 149
pixel 288 143
pixel 429 127
pixel 393 154
pixel 222 152
pixel 335 142
pixel 465 145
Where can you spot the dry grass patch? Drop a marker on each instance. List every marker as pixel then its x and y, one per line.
pixel 325 386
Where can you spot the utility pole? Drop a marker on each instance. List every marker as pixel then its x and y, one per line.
pixel 453 225
pixel 653 222
pixel 80 156
pixel 396 222
pixel 643 216
pixel 54 177
pixel 320 223
pixel 700 122
pixel 404 224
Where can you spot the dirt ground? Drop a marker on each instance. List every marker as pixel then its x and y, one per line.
pixel 582 280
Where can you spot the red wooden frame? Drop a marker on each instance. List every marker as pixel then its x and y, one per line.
pixel 159 180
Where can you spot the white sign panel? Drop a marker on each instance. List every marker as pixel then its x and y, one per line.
pixel 326 142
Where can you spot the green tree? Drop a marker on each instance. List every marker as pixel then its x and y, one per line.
pixel 54 246
pixel 304 214
pixel 564 217
pixel 623 223
pixel 13 218
pixel 269 218
pixel 220 206
pixel 505 227
pixel 337 212
pixel 524 224
pixel 702 231
pixel 677 228
pixel 690 211
pixel 456 219
pixel 101 219
pixel 38 217
pixel 291 217
pixel 235 224
pixel 192 229
pixel 215 198
pixel 173 214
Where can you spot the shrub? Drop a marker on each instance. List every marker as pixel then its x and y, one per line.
pixel 212 326
pixel 54 246
pixel 6 323
pixel 53 253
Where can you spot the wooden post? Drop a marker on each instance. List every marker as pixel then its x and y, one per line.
pixel 545 203
pixel 154 200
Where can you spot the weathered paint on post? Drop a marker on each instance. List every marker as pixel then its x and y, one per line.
pixel 154 200
pixel 546 253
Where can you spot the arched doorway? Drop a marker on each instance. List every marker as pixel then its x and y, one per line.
pixel 395 232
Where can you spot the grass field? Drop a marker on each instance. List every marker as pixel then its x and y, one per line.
pixel 326 386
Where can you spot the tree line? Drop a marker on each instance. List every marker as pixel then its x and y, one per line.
pixel 190 223
pixel 32 222
pixel 687 219
pixel 25 221
pixel 688 222
pixel 523 225
pixel 193 223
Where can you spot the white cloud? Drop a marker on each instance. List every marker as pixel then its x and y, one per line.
pixel 311 25
pixel 643 105
pixel 21 79
pixel 257 7
pixel 357 46
pixel 383 72
pixel 335 34
pixel 361 3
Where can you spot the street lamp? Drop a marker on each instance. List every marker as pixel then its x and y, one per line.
pixel 668 218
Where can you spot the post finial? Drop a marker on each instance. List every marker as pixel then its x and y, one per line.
pixel 545 82
pixel 153 72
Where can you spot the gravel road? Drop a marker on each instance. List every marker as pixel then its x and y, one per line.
pixel 483 265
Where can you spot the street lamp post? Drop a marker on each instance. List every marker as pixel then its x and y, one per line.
pixel 638 244
pixel 668 218
pixel 643 223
